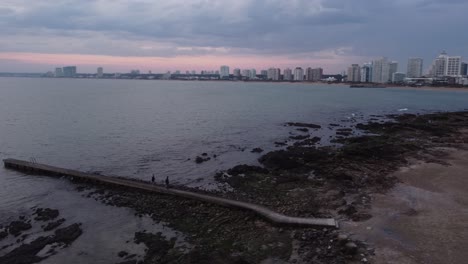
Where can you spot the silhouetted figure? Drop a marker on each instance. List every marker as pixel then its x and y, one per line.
pixel 167 182
pixel 152 179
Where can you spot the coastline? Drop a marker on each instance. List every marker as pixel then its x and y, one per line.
pixel 303 180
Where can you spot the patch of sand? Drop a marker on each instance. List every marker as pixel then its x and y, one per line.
pixel 424 219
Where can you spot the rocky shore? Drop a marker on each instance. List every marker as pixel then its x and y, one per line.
pixel 304 178
pixel 33 238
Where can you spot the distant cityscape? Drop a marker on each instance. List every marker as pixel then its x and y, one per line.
pixel 444 70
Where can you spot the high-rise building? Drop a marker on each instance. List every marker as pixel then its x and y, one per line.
pixel 287 74
pixel 317 74
pixel 308 74
pixel 398 77
pixel 354 73
pixel 380 70
pixel 392 68
pixel 438 66
pixel 464 69
pixel 274 74
pixel 366 72
pixel 453 66
pixel 224 72
pixel 415 68
pixel 237 73
pixel 58 72
pixel 100 72
pixel 445 65
pixel 264 73
pixel 246 73
pixel 298 74
pixel 253 74
pixel 69 71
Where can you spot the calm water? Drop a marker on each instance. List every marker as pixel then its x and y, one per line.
pixel 137 128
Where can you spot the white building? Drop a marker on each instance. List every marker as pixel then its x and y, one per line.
pixel 224 72
pixel 246 73
pixel 287 75
pixel 298 74
pixel 380 70
pixel 415 68
pixel 274 74
pixel 445 65
pixel 58 72
pixel 453 66
pixel 253 74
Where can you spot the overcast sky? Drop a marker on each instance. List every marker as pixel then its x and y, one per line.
pixel 203 34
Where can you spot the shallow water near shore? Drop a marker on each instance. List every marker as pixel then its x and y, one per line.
pixel 137 128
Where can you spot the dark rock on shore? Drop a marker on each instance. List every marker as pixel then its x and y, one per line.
pixel 27 253
pixel 344 131
pixel 306 125
pixel 17 227
pixel 3 234
pixel 257 150
pixel 305 130
pixel 307 142
pixel 45 214
pixel 199 159
pixel 53 225
pixel 299 137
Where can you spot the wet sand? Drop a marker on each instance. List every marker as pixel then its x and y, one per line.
pixel 424 219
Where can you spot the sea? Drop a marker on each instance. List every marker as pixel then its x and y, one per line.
pixel 137 128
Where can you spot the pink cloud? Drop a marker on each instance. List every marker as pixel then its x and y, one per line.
pixel 331 64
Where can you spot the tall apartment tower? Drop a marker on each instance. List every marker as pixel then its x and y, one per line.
pixel 354 73
pixel 287 74
pixel 224 72
pixel 298 74
pixel 415 68
pixel 453 66
pixel 100 72
pixel 380 70
pixel 445 65
pixel 366 72
pixel 317 74
pixel 392 68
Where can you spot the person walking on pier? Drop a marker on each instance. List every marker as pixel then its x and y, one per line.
pixel 167 181
pixel 152 179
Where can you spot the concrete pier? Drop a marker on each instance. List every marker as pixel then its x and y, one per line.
pixel 276 218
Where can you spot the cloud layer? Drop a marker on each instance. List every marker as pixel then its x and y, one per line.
pixel 305 32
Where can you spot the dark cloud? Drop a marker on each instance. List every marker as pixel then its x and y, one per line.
pixel 368 28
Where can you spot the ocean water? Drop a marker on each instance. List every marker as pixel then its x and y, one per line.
pixel 136 128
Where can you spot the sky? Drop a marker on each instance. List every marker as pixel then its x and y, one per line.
pixel 160 36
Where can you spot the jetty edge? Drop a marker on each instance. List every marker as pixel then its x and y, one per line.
pixel 274 217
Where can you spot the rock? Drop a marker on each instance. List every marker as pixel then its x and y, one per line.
pixel 128 262
pixel 204 154
pixel 279 160
pixel 45 214
pixel 297 124
pixel 300 137
pixel 199 159
pixel 27 253
pixel 257 150
pixel 3 234
pixel 122 254
pixel 53 225
pixel 16 227
pixel 303 129
pixel 342 238
pixel 351 248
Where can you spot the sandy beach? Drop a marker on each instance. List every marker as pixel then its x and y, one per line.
pixel 423 219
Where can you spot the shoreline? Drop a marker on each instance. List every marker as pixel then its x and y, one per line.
pixel 303 180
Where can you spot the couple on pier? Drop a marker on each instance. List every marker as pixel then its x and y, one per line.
pixel 167 181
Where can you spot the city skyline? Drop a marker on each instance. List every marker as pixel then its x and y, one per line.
pixel 166 36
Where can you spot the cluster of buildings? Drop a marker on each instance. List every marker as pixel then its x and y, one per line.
pixel 273 74
pixel 444 69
